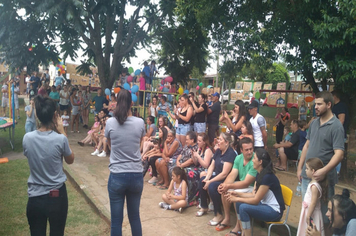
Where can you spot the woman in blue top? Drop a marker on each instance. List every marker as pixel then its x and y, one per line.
pixel 124 133
pixel 219 168
pixel 266 201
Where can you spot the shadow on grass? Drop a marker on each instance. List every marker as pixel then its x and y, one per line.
pixel 81 219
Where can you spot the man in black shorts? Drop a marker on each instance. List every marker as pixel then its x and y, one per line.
pixel 288 149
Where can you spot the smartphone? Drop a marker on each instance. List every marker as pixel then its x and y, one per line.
pixel 54 193
pixel 310 222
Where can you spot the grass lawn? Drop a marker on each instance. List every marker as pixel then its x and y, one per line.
pixel 81 220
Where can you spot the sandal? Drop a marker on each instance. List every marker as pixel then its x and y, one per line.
pixel 280 168
pixel 163 187
pixel 233 233
pixel 81 143
pixel 200 213
pixel 214 223
pixel 222 227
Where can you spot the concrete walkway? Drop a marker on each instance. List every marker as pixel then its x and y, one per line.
pixel 90 175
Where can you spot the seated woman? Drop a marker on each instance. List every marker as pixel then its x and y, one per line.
pixel 112 105
pixel 171 151
pixel 203 156
pixel 218 170
pixel 94 129
pixel 266 201
pixel 101 142
pixel 342 215
pixel 151 156
pixel 192 170
pixel 146 143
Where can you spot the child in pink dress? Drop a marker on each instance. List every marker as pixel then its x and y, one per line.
pixel 142 87
pixel 94 129
pixel 311 203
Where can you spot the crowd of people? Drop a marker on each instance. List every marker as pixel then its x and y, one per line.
pixel 191 160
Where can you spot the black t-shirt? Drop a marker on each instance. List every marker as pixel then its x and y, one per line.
pixel 341 108
pixel 213 117
pixel 200 117
pixel 274 185
pixel 220 159
pixel 295 139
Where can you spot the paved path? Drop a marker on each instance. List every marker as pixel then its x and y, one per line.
pixel 90 174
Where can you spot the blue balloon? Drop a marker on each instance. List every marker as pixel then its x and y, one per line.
pixel 134 89
pixel 186 91
pixel 134 97
pixel 107 91
pixel 137 72
pixel 127 86
pixel 166 90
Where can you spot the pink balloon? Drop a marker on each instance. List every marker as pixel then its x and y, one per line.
pixel 161 87
pixel 198 87
pixel 169 79
pixel 162 81
pixel 129 79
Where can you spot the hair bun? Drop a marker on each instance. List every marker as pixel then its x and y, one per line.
pixel 346 193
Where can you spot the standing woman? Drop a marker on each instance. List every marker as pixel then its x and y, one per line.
pixel 240 115
pixel 152 111
pixel 124 133
pixel 86 108
pixel 282 121
pixel 46 188
pixel 75 109
pixel 200 113
pixel 303 110
pixel 184 117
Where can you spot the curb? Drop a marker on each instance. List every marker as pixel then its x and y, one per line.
pixel 101 211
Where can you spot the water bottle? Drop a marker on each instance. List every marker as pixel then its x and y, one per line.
pixel 298 191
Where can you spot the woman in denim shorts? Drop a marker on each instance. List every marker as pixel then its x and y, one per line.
pixel 184 117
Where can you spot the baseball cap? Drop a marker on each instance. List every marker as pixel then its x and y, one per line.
pixel 253 104
pixel 216 94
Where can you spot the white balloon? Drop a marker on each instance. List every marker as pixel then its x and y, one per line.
pixel 133 74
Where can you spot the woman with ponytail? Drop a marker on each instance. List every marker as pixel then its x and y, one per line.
pixel 342 215
pixel 124 134
pixel 266 201
pixel 47 194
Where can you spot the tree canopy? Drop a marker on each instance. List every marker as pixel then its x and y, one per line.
pixel 105 30
pixel 312 36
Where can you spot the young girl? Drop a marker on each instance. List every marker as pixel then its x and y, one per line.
pixel 246 130
pixel 65 120
pixel 311 203
pixel 94 129
pixel 179 199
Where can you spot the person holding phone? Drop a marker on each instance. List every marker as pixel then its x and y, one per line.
pixel 47 194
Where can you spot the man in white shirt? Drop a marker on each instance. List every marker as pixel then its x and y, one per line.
pixel 259 126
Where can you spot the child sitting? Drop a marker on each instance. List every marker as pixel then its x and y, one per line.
pixel 179 199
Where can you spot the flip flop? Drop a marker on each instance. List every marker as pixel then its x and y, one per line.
pixel 200 213
pixel 234 233
pixel 213 223
pixel 280 168
pixel 224 227
pixel 163 187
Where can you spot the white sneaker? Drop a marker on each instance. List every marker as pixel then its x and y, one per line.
pixel 102 154
pixel 96 152
pixel 153 180
pixel 162 204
